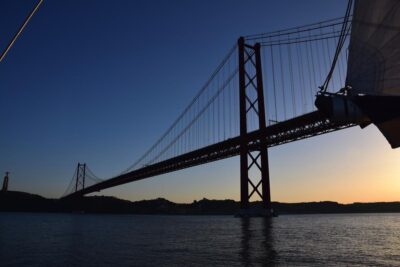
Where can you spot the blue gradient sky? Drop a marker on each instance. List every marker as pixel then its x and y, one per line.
pixel 99 81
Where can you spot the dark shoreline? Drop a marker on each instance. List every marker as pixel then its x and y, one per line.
pixel 13 201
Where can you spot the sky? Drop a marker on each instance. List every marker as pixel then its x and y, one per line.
pixel 99 81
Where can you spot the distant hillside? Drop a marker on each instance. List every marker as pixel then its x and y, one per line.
pixel 20 201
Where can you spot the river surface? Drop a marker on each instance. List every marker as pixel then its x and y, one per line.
pixel 38 239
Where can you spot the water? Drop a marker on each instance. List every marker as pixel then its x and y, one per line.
pixel 136 240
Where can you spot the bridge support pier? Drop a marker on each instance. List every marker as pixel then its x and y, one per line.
pixel 254 155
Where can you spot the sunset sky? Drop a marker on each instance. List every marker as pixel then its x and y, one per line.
pixel 92 81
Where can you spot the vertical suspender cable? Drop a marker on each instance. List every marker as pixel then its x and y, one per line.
pixel 291 80
pixel 301 77
pixel 282 82
pixel 318 61
pixel 313 66
pixel 309 72
pixel 273 83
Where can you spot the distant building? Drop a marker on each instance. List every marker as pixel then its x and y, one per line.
pixel 5 183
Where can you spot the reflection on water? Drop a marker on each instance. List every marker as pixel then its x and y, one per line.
pixel 246 236
pixel 270 253
pixel 257 242
pixel 128 240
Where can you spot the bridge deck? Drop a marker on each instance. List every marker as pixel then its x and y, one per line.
pixel 307 125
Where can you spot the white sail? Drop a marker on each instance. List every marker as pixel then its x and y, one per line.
pixel 374 51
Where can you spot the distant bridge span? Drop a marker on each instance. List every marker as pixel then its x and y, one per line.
pixel 302 127
pixel 230 117
pixel 294 68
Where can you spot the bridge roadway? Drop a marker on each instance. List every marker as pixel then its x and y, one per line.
pixel 307 125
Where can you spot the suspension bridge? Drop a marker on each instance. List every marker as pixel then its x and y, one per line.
pixel 261 95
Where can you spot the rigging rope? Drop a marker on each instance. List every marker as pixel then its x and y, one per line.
pixel 22 27
pixel 342 38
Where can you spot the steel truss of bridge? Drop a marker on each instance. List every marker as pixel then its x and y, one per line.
pixel 302 127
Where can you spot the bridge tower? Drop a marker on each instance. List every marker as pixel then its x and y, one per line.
pixel 254 155
pixel 5 183
pixel 80 176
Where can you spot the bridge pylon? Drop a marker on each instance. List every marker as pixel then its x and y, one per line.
pixel 80 177
pixel 254 155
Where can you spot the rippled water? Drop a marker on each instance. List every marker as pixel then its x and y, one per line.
pixel 135 240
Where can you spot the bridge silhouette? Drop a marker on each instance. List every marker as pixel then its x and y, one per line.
pixel 261 95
